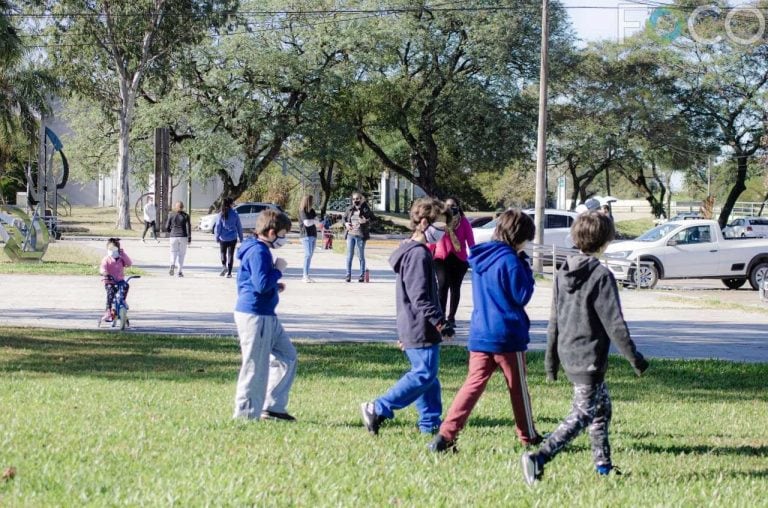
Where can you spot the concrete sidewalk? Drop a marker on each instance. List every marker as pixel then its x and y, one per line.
pixel 331 309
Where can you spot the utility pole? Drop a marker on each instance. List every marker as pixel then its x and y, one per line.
pixel 541 156
pixel 709 174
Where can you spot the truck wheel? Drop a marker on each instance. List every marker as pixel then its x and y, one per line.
pixel 758 275
pixel 734 283
pixel 645 277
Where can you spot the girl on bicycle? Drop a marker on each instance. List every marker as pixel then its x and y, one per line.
pixel 112 270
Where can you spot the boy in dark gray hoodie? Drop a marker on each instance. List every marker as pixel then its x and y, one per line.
pixel 585 318
pixel 420 323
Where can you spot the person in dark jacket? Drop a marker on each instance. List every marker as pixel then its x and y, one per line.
pixel 357 221
pixel 420 323
pixel 227 231
pixel 307 233
pixel 179 230
pixel 502 284
pixel 585 318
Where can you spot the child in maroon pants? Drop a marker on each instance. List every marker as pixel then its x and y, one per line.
pixel 502 284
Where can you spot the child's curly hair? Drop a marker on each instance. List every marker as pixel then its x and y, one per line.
pixel 514 227
pixel 429 208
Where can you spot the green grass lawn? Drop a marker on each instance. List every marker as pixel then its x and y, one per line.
pixel 107 419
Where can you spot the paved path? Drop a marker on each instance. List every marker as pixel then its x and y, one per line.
pixel 332 310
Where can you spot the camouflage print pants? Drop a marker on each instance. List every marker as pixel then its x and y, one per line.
pixel 591 406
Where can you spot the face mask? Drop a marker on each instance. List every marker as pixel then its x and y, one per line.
pixel 433 234
pixel 455 210
pixel 115 253
pixel 357 203
pixel 278 242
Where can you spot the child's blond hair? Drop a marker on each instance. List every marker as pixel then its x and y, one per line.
pixel 428 208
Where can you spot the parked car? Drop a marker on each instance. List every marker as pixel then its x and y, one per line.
pixel 477 222
pixel 246 211
pixel 689 249
pixel 681 216
pixel 557 227
pixel 747 227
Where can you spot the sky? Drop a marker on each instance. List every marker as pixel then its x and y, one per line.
pixel 595 20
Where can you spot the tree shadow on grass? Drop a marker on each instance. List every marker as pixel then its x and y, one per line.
pixel 677 449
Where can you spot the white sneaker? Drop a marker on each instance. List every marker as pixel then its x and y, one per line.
pixel 307 280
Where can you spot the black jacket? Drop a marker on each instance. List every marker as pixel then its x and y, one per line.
pixel 418 304
pixel 179 225
pixel 585 318
pixel 365 212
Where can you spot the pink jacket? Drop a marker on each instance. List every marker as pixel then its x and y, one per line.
pixel 115 267
pixel 466 238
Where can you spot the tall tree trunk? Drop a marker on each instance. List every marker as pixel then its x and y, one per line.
pixel 739 186
pixel 123 173
pixel 326 184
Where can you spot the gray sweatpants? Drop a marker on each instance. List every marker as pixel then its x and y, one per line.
pixel 591 407
pixel 268 366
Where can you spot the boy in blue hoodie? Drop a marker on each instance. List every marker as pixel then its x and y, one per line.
pixel 420 323
pixel 502 284
pixel 585 318
pixel 269 359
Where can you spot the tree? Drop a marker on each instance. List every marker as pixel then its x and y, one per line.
pixel 23 91
pixel 105 50
pixel 253 84
pixel 722 82
pixel 449 78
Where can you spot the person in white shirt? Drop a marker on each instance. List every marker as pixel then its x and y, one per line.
pixel 150 216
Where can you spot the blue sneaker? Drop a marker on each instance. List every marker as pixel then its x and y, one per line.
pixel 608 469
pixel 441 445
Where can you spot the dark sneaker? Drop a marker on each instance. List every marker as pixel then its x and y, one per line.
pixel 371 420
pixel 170 272
pixel 361 278
pixel 229 275
pixel 348 278
pixel 442 445
pixel 272 415
pixel 537 440
pixel 451 322
pixel 180 274
pixel 223 272
pixel 532 469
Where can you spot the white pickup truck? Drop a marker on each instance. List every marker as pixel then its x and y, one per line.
pixel 691 249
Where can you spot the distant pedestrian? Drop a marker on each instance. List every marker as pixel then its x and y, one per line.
pixel 357 221
pixel 227 231
pixel 450 255
pixel 150 217
pixel 307 233
pixel 420 323
pixel 502 285
pixel 327 232
pixel 268 363
pixel 585 318
pixel 179 228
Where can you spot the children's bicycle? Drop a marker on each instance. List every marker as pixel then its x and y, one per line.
pixel 119 309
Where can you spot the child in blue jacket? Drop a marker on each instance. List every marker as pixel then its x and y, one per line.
pixel 227 231
pixel 502 284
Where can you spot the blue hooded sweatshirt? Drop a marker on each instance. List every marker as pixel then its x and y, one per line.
pixel 229 229
pixel 257 279
pixel 502 284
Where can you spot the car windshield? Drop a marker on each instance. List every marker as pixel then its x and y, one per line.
pixel 657 233
pixel 489 225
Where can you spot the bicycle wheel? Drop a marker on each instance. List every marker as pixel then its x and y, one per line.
pixel 123 317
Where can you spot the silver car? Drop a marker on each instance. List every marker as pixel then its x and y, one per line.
pixel 247 212
pixel 747 227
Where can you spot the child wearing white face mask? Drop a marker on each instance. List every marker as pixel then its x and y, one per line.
pixel 421 324
pixel 268 357
pixel 112 270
